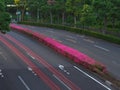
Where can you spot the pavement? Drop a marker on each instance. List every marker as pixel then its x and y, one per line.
pixel 23 58
pixel 100 50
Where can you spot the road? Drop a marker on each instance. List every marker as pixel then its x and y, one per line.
pixel 102 51
pixel 26 64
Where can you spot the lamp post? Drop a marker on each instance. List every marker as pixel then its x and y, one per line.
pixel 51 2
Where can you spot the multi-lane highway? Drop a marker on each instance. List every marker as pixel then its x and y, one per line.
pixel 105 52
pixel 26 64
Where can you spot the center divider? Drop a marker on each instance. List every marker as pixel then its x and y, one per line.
pixel 67 51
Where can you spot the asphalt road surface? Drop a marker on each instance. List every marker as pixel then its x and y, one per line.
pixel 26 64
pixel 100 50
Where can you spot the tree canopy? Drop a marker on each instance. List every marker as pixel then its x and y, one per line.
pixel 80 13
pixel 4 18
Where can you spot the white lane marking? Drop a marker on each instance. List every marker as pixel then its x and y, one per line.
pixel 92 78
pixel 71 40
pixel 101 48
pixel 23 82
pixel 88 40
pixel 30 69
pixel 1 74
pixel 51 31
pixel 5 58
pixel 68 73
pixel 116 63
pixel 62 82
pixel 59 40
pixel 30 56
pixel 108 82
pixel 70 36
pixel 1 54
pixel 61 67
pixel 82 36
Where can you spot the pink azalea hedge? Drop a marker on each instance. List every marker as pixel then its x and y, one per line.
pixel 69 52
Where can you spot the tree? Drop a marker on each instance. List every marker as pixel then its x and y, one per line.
pixel 103 10
pixel 88 17
pixel 61 9
pixel 74 7
pixel 4 18
pixel 21 4
pixel 115 14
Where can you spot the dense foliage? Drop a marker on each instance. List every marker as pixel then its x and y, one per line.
pixel 4 18
pixel 103 16
pixel 83 13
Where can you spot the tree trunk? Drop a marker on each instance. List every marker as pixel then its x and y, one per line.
pixel 38 17
pixel 75 21
pixel 22 16
pixel 63 18
pixel 113 23
pixel 104 26
pixel 51 18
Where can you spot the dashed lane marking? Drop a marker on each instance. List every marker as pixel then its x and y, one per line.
pixel 101 48
pixel 71 40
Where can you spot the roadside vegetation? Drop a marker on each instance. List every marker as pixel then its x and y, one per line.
pixel 4 18
pixel 100 19
pixel 95 18
pixel 95 15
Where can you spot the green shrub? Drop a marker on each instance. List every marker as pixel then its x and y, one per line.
pixel 4 18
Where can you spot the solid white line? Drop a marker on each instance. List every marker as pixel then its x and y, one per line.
pixel 23 83
pixel 101 48
pixel 62 82
pixel 92 78
pixel 71 40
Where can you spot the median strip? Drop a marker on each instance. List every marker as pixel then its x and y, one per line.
pixel 69 52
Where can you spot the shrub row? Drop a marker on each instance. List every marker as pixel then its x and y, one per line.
pixel 69 52
pixel 109 38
